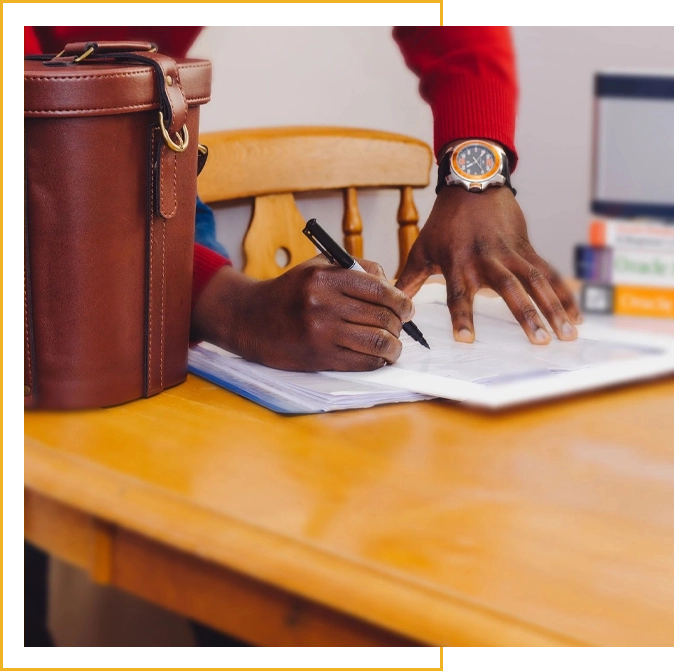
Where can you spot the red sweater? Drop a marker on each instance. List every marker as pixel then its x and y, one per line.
pixel 467 75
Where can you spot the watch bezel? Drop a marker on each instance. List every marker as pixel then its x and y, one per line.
pixel 476 179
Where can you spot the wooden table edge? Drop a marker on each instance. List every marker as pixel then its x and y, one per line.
pixel 392 602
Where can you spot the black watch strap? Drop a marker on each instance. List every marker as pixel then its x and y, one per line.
pixel 443 171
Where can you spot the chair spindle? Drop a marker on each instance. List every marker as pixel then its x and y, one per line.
pixel 352 224
pixel 408 218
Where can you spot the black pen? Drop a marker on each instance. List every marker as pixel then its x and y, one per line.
pixel 335 254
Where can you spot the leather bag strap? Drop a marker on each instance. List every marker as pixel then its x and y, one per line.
pixel 172 101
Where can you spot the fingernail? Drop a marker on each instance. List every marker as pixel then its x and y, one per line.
pixel 579 319
pixel 541 335
pixel 464 335
pixel 413 312
pixel 568 331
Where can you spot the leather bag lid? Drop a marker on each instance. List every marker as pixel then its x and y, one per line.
pixel 106 87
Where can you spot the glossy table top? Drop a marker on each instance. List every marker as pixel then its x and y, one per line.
pixel 552 524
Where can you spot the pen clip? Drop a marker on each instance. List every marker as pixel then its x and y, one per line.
pixel 310 234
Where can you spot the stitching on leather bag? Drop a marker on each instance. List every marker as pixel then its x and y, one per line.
pixel 147 106
pixel 174 202
pixel 173 114
pixel 175 184
pixel 175 167
pixel 58 79
pixel 204 66
pixel 168 97
pixel 26 278
pixel 93 109
pixel 129 73
pixel 149 302
pixel 180 88
pixel 25 316
pixel 163 303
pixel 161 180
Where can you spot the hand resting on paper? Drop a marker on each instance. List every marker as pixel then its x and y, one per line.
pixel 480 240
pixel 314 317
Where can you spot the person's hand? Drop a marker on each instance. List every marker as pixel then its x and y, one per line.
pixel 316 316
pixel 480 240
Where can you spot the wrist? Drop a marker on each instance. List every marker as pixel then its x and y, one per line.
pixel 220 313
pixel 452 199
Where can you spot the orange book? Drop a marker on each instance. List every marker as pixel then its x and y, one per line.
pixel 629 301
pixel 597 233
pixel 632 234
pixel 643 301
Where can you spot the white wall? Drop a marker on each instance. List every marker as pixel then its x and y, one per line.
pixel 556 68
pixel 356 77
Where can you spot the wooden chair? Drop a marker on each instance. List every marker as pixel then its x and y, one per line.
pixel 271 164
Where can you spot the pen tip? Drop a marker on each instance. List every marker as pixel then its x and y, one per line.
pixel 425 344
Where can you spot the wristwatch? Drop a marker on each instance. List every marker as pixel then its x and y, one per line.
pixel 475 165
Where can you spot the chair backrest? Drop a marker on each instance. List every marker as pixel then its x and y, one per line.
pixel 271 164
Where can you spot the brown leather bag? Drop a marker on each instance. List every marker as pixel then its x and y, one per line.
pixel 111 151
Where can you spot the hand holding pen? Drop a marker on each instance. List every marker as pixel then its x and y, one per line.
pixel 313 317
pixel 339 256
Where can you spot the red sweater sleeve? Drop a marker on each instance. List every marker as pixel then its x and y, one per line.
pixel 206 264
pixel 30 43
pixel 467 74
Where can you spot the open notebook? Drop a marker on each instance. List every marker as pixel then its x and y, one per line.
pixel 501 368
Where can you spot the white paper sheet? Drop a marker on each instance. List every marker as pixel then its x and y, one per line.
pixel 501 368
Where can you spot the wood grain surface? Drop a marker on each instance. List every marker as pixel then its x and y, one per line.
pixel 253 162
pixel 548 525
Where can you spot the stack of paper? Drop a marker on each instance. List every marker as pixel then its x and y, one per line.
pixel 289 392
pixel 501 368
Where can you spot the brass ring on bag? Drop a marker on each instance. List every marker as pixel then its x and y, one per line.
pixel 183 141
pixel 81 57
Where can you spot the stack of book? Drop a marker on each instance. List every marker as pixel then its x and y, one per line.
pixel 627 267
pixel 627 264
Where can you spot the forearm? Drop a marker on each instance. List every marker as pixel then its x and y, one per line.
pixel 221 312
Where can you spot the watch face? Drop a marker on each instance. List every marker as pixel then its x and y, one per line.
pixel 475 161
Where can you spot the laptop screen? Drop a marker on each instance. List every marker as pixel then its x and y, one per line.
pixel 634 145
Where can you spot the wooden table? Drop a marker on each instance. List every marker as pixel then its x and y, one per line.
pixel 425 522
